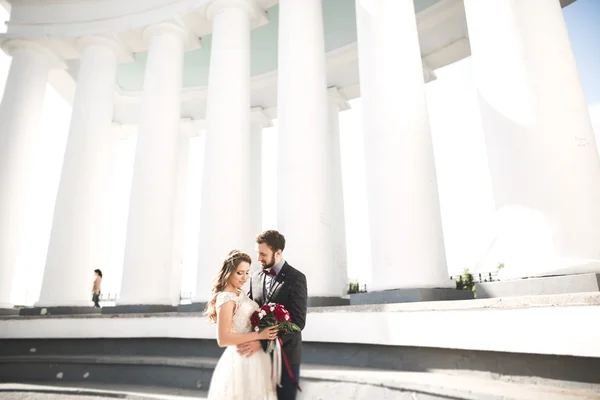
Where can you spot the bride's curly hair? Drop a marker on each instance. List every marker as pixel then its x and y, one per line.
pixel 230 264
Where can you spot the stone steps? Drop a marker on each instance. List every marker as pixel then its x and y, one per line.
pixel 318 381
pixel 170 372
pixel 93 391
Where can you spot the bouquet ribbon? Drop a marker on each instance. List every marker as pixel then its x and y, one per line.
pixel 276 369
pixel 276 365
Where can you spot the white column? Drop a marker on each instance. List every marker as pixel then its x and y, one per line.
pixel 78 244
pixel 111 261
pixel 225 210
pixel 260 120
pixel 20 112
pixel 337 103
pixel 304 192
pixel 179 217
pixel 541 147
pixel 406 233
pixel 149 243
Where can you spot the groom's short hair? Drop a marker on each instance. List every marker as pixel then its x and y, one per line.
pixel 273 239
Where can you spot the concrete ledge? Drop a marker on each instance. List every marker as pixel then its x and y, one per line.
pixel 581 283
pixel 327 301
pixel 139 309
pixel 188 362
pixel 194 307
pixel 555 325
pixel 312 302
pixel 47 311
pixel 410 296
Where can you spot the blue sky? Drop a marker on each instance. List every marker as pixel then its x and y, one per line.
pixel 583 23
pixel 464 183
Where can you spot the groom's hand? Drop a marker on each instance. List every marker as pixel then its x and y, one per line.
pixel 249 348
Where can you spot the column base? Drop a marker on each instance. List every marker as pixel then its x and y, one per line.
pixel 323 301
pixel 194 307
pixel 65 304
pixel 9 311
pixel 561 284
pixel 60 310
pixel 316 301
pixel 410 296
pixel 139 309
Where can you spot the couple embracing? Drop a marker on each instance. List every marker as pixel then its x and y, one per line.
pixel 246 370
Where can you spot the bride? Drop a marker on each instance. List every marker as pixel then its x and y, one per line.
pixel 236 376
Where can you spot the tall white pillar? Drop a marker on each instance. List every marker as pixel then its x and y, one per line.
pixel 541 148
pixel 20 112
pixel 149 243
pixel 78 242
pixel 406 232
pixel 304 192
pixel 337 103
pixel 225 210
pixel 259 121
pixel 111 262
pixel 179 211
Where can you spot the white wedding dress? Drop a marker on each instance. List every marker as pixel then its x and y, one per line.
pixel 237 377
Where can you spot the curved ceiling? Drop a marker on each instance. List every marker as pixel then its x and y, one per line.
pixel 339 22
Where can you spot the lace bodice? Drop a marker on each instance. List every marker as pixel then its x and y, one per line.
pixel 244 307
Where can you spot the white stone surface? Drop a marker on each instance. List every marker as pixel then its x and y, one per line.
pixel 407 242
pixel 303 188
pixel 226 210
pixel 255 189
pixel 541 147
pixel 558 325
pixel 179 211
pixel 78 242
pixel 336 104
pixel 20 113
pixel 148 250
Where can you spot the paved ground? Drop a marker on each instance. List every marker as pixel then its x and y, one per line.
pixel 380 386
pixel 14 391
pixel 45 396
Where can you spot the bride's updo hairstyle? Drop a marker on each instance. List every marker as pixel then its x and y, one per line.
pixel 230 264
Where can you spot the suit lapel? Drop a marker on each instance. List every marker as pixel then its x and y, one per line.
pixel 279 281
pixel 258 281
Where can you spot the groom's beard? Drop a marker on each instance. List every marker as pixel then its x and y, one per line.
pixel 269 265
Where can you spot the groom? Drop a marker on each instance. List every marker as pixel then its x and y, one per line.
pixel 278 282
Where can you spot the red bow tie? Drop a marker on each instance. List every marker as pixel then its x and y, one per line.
pixel 270 271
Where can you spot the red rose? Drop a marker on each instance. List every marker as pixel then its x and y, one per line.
pixel 279 314
pixel 266 308
pixel 254 319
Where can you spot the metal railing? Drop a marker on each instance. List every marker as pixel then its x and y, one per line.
pixel 477 277
pixel 353 287
pixel 184 297
pixel 109 297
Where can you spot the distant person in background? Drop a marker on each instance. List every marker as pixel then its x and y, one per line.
pixel 97 287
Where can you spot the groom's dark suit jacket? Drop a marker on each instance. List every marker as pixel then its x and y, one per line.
pixel 289 289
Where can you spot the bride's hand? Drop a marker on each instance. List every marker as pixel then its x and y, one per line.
pixel 269 333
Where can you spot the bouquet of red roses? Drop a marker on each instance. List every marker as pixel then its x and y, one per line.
pixel 273 314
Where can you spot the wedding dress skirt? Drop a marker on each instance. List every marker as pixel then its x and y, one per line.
pixel 242 378
pixel 237 377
